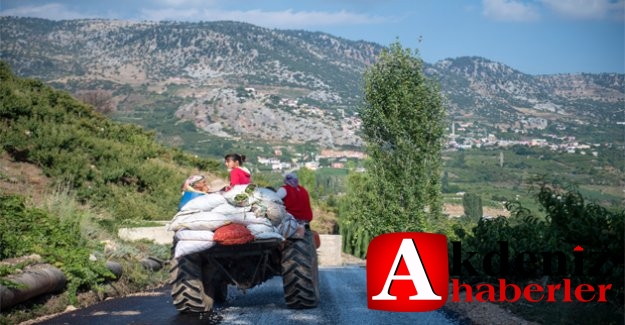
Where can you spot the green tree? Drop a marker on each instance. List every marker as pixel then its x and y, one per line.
pixel 402 124
pixel 472 204
pixel 306 178
pixel 459 160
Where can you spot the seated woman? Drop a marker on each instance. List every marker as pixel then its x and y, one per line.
pixel 296 198
pixel 192 187
pixel 239 175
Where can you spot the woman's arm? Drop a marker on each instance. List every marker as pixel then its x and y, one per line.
pixel 281 192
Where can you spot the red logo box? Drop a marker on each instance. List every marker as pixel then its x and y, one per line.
pixel 407 272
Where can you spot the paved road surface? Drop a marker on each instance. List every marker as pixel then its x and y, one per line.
pixel 343 301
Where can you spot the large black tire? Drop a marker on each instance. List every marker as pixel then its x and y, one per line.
pixel 300 273
pixel 188 292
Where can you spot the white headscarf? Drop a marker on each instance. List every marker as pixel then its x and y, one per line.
pixel 188 184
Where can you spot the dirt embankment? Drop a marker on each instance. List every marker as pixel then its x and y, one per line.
pixel 456 210
pixel 22 178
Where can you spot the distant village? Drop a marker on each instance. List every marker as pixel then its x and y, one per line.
pixel 468 140
pixel 461 136
pixel 335 159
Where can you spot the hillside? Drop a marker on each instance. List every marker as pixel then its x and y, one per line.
pixel 194 82
pixel 69 178
pixel 107 164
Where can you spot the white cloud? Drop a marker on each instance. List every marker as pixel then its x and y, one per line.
pixel 509 10
pixel 178 3
pixel 588 9
pixel 169 14
pixel 271 19
pixel 54 11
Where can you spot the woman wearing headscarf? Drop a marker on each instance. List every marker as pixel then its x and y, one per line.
pixel 192 187
pixel 295 198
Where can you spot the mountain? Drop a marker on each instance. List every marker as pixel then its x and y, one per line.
pixel 495 91
pixel 239 81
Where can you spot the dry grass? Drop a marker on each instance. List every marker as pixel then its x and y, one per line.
pixel 22 178
pixel 324 222
pixel 456 210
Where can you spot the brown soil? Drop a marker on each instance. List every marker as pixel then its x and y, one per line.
pixel 456 210
pixel 23 178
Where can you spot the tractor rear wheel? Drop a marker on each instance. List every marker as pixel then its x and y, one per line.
pixel 188 292
pixel 300 273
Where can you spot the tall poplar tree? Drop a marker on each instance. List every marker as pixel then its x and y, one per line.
pixel 472 204
pixel 402 123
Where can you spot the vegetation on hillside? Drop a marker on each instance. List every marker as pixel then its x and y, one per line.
pixel 58 239
pixel 113 166
pixel 104 175
pixel 125 176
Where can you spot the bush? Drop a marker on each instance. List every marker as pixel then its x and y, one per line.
pixel 568 221
pixel 25 231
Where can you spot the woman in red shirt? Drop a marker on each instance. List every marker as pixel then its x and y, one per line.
pixel 296 199
pixel 239 175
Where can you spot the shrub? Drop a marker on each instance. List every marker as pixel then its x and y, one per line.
pixel 58 241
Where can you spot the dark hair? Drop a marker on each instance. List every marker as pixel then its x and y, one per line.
pixel 235 157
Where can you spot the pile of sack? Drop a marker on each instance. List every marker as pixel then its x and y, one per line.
pixel 240 215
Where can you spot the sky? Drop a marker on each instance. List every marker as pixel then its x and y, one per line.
pixel 532 36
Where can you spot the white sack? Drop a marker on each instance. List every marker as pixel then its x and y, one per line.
pixel 256 229
pixel 249 218
pixel 186 247
pixel 259 210
pixel 228 208
pixel 234 191
pixel 204 202
pixel 265 194
pixel 267 235
pixel 275 212
pixel 288 226
pixel 186 234
pixel 241 195
pixel 202 220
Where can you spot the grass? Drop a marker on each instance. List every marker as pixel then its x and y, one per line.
pixel 480 172
pixel 62 203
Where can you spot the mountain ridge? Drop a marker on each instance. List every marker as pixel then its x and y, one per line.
pixel 301 86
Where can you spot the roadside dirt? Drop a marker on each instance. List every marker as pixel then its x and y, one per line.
pixel 23 178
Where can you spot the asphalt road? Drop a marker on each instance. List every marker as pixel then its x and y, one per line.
pixel 343 301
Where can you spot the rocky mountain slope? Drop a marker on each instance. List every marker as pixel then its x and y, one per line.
pixel 237 80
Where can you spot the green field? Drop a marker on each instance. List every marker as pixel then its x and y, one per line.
pixel 507 175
